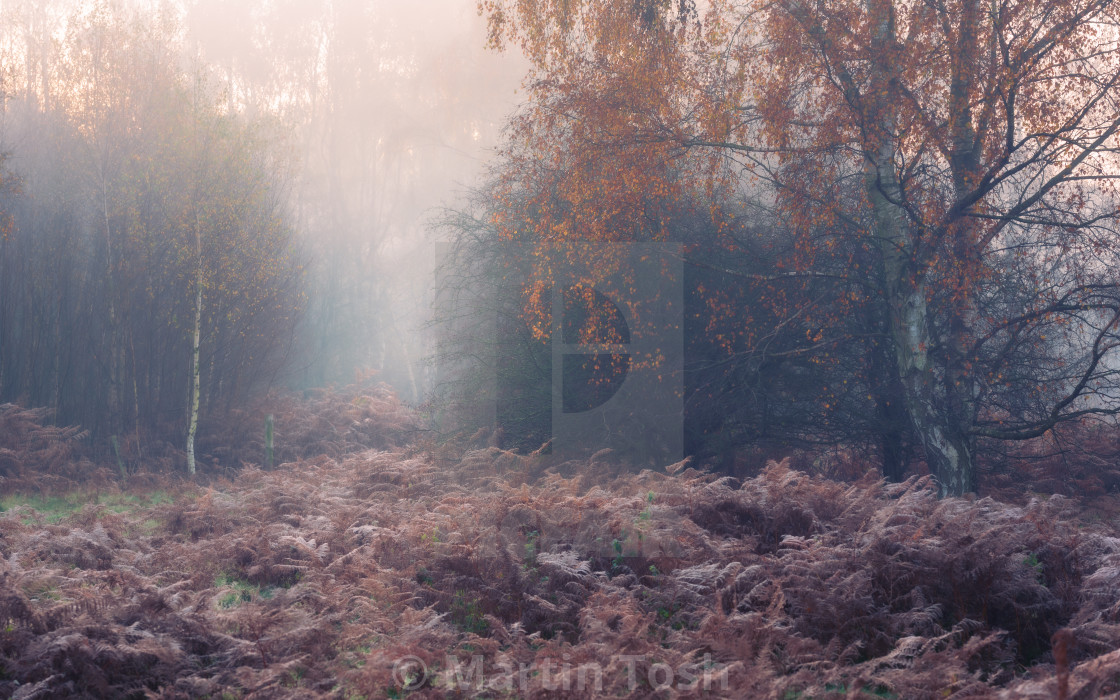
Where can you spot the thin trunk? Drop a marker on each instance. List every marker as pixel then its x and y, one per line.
pixel 135 395
pixel 44 71
pixel 893 426
pixel 5 298
pixel 114 402
pixel 29 49
pixel 893 423
pixel 193 428
pixel 56 366
pixel 214 377
pixel 406 355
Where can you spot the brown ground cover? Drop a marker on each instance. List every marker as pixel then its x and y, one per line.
pixel 404 572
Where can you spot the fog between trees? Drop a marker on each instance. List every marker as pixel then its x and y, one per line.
pixel 272 161
pixel 202 201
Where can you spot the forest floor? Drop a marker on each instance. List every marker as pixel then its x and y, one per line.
pixel 395 572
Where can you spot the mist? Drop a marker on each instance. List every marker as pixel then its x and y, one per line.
pixel 559 348
pixel 369 118
pixel 393 111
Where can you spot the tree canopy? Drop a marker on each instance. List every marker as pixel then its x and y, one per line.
pixel 950 166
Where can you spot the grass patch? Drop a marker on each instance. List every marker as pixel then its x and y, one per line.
pixel 239 591
pixel 52 509
pixel 49 508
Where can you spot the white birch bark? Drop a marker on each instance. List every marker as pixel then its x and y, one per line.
pixel 193 426
pixel 946 447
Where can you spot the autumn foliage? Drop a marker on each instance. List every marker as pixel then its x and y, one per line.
pixel 941 180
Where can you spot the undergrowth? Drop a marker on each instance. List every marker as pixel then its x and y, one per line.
pixel 314 578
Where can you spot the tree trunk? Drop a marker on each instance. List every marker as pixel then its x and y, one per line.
pixel 892 431
pixel 946 445
pixel 193 427
pixel 115 352
pixel 947 448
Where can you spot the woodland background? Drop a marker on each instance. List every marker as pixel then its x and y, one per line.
pixel 300 243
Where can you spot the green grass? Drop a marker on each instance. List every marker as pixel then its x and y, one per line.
pixel 241 591
pixel 52 509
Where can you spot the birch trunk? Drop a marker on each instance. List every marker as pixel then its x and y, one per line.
pixel 193 427
pixel 945 444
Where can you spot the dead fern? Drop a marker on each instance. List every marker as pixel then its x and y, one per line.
pixel 314 578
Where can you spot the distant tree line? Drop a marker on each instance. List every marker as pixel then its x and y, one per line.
pixel 341 120
pixel 148 275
